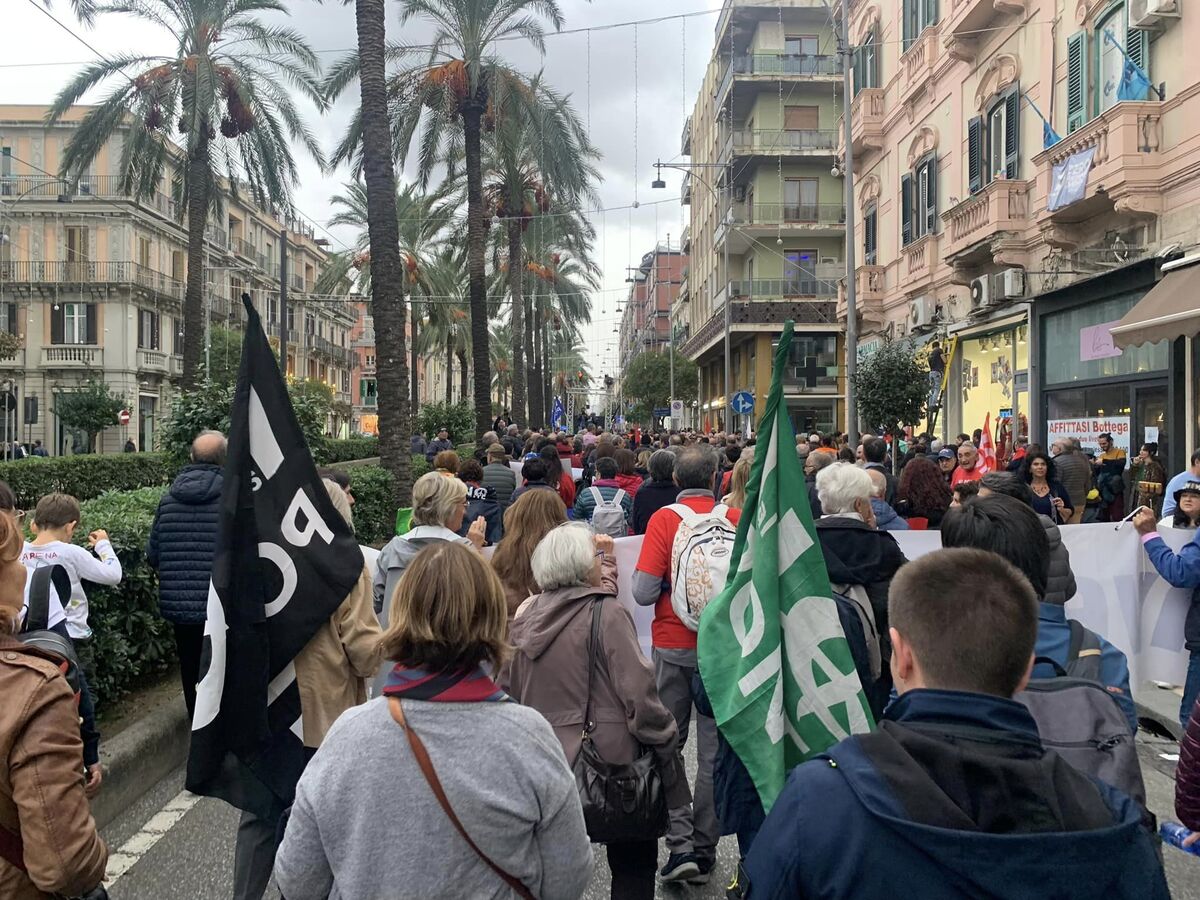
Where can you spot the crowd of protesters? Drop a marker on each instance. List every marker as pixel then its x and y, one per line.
pixel 512 666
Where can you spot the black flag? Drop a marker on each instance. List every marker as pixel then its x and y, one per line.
pixel 285 561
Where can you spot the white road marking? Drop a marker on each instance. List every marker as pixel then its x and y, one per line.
pixel 152 832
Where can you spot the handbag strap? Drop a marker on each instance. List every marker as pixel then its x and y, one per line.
pixel 593 640
pixel 426 765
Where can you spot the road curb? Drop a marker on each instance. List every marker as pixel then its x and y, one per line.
pixel 139 757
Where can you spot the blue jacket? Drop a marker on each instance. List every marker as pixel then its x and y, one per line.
pixel 953 797
pixel 1054 641
pixel 1181 570
pixel 585 503
pixel 886 518
pixel 183 542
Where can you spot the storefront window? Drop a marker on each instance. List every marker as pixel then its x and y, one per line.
pixel 813 415
pixel 986 383
pixel 1077 345
pixel 812 363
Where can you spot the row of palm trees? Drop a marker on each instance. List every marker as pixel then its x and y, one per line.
pixel 498 154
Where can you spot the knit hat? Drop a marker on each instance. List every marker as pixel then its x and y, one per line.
pixel 1190 487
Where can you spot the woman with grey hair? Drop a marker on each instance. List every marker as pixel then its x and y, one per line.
pixel 439 504
pixel 550 638
pixel 659 491
pixel 861 560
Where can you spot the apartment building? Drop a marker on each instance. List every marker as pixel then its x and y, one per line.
pixel 1017 249
pixel 653 287
pixel 92 285
pixel 763 142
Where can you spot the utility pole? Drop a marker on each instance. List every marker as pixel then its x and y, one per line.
pixel 670 322
pixel 851 274
pixel 283 300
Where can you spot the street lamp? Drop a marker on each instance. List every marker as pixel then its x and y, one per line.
pixel 726 219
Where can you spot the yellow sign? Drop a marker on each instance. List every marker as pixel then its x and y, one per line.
pixel 370 425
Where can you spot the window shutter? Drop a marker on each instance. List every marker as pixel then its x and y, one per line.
pixel 141 329
pixel 906 209
pixel 869 238
pixel 873 59
pixel 1012 133
pixel 91 322
pixel 1138 47
pixel 910 21
pixel 12 318
pixel 931 208
pixel 57 324
pixel 931 13
pixel 1076 81
pixel 858 69
pixel 975 154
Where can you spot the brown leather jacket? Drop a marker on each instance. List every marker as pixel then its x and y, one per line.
pixel 41 785
pixel 549 671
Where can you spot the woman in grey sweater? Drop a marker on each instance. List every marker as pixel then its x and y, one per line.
pixel 367 823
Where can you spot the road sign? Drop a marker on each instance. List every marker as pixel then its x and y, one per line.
pixel 123 417
pixel 743 403
pixel 676 409
pixel 662 411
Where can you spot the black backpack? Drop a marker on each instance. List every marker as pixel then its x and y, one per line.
pixel 36 631
pixel 1078 718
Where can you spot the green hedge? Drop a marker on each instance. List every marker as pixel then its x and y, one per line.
pixel 133 643
pixel 84 476
pixel 336 450
pixel 374 511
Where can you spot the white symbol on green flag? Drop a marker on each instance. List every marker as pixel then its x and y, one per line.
pixel 772 652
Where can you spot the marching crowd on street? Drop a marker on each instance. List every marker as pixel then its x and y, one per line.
pixel 507 683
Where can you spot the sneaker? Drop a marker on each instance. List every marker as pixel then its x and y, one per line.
pixel 705 867
pixel 680 867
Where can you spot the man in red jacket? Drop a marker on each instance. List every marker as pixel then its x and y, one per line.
pixel 694 830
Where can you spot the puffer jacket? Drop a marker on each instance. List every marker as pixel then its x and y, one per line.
pixel 1060 581
pixel 41 790
pixel 1187 774
pixel 183 542
pixel 503 480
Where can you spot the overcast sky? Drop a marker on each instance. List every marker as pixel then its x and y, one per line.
pixel 39 62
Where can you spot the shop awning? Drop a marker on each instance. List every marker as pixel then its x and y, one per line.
pixel 1169 310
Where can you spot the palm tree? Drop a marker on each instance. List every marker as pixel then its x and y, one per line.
pixel 444 94
pixel 500 346
pixel 447 324
pixel 224 92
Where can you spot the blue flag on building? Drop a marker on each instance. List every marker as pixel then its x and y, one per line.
pixel 558 418
pixel 1135 83
pixel 1049 135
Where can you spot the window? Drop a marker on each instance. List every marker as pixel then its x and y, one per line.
pixel 367 391
pixel 345 382
pixel 144 252
pixel 77 251
pixel 918 201
pixel 1095 66
pixel 73 323
pixel 918 15
pixel 148 330
pixel 869 236
pixel 994 142
pixel 291 319
pixel 800 200
pixel 801 45
pixel 866 62
pixel 8 317
pixel 6 188
pixel 273 310
pixel 800 272
pixel 178 265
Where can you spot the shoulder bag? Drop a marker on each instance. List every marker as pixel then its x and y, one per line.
pixel 422 757
pixel 621 802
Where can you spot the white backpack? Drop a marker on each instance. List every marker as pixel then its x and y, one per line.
pixel 700 558
pixel 608 516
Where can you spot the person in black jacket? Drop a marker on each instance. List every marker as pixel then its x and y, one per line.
pixel 182 543
pixel 661 490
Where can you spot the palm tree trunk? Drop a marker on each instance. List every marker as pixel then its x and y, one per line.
pixel 412 315
pixel 547 370
pixel 463 386
pixel 538 354
pixel 533 394
pixel 387 274
pixel 476 236
pixel 449 369
pixel 193 299
pixel 515 283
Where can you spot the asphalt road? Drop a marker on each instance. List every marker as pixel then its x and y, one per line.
pixel 181 848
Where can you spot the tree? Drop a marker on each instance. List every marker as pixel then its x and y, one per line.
pixel 224 354
pixel 647 382
pixel 892 388
pixel 224 94
pixel 91 409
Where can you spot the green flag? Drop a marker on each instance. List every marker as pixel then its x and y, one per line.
pixel 772 652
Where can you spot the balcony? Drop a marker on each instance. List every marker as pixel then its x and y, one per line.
pixel 783 288
pixel 769 68
pixel 750 315
pixel 685 141
pixel 152 361
pixel 686 190
pixel 1126 170
pixel 965 21
pixel 977 227
pixel 917 62
pixel 99 187
pixel 866 124
pixel 919 258
pixel 16 361
pixel 297 282
pixel 176 364
pixel 685 240
pixel 244 249
pixel 819 143
pixel 28 274
pixel 73 356
pixel 751 225
pixel 870 283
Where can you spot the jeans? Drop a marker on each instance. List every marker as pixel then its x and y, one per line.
pixel 189 641
pixel 632 864
pixel 693 828
pixel 1191 688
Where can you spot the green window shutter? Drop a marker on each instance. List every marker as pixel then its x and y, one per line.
pixel 873 76
pixel 906 210
pixel 910 21
pixel 858 70
pixel 1076 81
pixel 931 206
pixel 975 154
pixel 1012 133
pixel 931 13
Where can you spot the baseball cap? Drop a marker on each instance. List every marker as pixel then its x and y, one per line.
pixel 947 453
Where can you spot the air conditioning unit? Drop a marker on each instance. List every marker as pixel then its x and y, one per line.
pixel 1009 285
pixel 1150 14
pixel 981 292
pixel 920 312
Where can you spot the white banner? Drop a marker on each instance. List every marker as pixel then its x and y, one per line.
pixel 1119 594
pixel 1088 430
